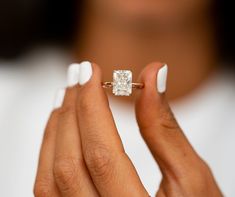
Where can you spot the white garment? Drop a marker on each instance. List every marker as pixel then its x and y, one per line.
pixel 207 117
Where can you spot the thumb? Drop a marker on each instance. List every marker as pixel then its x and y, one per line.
pixel 157 124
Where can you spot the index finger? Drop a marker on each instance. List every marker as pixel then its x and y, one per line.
pixel 109 166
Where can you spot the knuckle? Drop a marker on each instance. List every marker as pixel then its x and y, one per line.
pixel 203 172
pixel 67 116
pixel 98 161
pixel 66 171
pixel 66 111
pixel 199 175
pixel 167 120
pixel 42 187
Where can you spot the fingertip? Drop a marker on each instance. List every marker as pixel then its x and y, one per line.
pixel 90 73
pixel 154 78
pixel 151 97
pixel 148 74
pixel 92 92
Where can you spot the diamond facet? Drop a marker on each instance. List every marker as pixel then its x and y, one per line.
pixel 122 82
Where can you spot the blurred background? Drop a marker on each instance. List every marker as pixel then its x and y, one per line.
pixel 40 38
pixel 29 23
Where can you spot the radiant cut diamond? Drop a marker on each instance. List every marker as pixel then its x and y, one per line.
pixel 122 82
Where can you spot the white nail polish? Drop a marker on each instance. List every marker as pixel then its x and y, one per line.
pixel 73 74
pixel 85 72
pixel 59 98
pixel 161 79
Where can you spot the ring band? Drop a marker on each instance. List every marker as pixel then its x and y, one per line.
pixel 134 85
pixel 122 83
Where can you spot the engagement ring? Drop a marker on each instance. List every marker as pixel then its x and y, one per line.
pixel 122 83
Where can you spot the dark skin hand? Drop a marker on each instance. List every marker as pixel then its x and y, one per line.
pixel 82 153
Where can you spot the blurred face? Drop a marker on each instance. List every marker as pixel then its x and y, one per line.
pixel 159 11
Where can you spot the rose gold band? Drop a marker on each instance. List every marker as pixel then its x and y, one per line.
pixel 137 85
pixel 134 85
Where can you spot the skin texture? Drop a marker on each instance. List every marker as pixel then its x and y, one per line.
pixel 82 154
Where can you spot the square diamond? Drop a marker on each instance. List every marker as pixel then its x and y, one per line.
pixel 122 82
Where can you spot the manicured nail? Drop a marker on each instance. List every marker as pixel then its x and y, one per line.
pixel 85 72
pixel 59 98
pixel 73 74
pixel 161 79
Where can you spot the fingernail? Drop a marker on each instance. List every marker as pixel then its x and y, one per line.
pixel 59 98
pixel 161 79
pixel 73 74
pixel 85 72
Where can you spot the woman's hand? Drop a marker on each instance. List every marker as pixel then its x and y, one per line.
pixel 82 153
